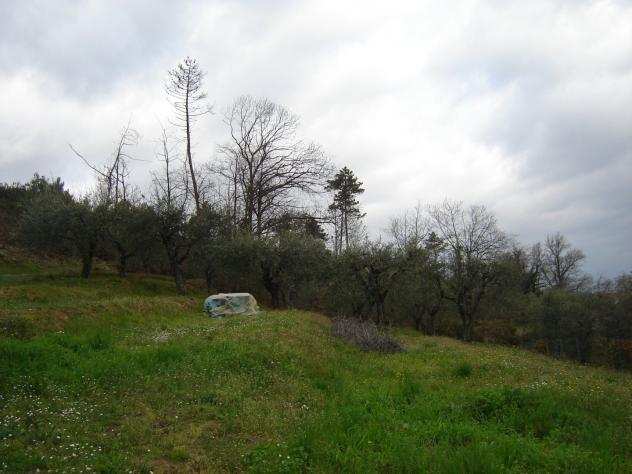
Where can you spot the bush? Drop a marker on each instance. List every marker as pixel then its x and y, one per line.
pixel 364 334
pixel 463 370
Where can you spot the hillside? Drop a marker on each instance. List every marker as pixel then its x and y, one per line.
pixel 119 375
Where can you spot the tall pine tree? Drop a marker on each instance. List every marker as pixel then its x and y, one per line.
pixel 345 206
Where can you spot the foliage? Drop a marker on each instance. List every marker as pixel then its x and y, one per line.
pixel 15 199
pixel 59 223
pixel 345 206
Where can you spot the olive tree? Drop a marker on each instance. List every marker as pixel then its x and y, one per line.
pixel 54 222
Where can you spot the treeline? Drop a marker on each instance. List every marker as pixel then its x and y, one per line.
pixel 245 222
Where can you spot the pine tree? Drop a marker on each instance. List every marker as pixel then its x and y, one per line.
pixel 345 206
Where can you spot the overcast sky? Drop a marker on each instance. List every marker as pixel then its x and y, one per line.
pixel 524 106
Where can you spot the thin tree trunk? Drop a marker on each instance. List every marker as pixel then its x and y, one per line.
pixel 122 266
pixel 235 199
pixel 468 324
pixel 208 274
pixel 86 267
pixel 196 194
pixel 178 277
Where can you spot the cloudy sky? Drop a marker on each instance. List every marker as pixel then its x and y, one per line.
pixel 524 106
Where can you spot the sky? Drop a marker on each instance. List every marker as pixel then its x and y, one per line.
pixel 525 107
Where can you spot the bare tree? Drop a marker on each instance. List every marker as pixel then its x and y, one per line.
pixel 410 229
pixel 170 201
pixel 112 177
pixel 184 86
pixel 266 164
pixel 473 244
pixel 561 262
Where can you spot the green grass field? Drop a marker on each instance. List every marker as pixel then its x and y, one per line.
pixel 112 375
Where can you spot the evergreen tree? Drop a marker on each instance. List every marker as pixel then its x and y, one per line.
pixel 345 206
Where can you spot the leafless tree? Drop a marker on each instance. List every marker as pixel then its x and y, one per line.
pixel 112 177
pixel 410 229
pixel 473 244
pixel 266 163
pixel 170 202
pixel 561 262
pixel 185 87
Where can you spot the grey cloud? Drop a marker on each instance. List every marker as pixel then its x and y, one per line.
pixel 88 48
pixel 523 106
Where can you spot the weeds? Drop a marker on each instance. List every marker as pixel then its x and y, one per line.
pixel 365 335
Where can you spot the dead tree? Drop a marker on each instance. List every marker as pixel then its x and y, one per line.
pixel 184 86
pixel 112 177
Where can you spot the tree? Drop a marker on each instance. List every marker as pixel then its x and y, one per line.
pixel 410 229
pixel 527 265
pixel 112 186
pixel 422 277
pixel 420 289
pixel 568 323
pixel 303 223
pixel 290 261
pixel 345 205
pixel 473 245
pixel 267 164
pixel 185 87
pixel 216 232
pixel 178 231
pixel 562 263
pixel 15 199
pixel 131 229
pixel 55 221
pixel 127 226
pixel 375 267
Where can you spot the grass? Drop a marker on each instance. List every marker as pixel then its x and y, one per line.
pixel 112 375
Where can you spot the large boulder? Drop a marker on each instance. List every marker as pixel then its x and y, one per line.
pixel 226 304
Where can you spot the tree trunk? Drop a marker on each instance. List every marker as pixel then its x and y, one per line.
pixel 209 272
pixel 468 327
pixel 86 261
pixel 346 222
pixel 196 194
pixel 275 296
pixel 122 266
pixel 418 321
pixel 379 307
pixel 271 285
pixel 86 268
pixel 432 326
pixel 178 277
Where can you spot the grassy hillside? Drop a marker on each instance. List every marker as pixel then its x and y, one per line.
pixel 123 375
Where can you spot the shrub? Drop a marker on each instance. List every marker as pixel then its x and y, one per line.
pixel 463 370
pixel 364 334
